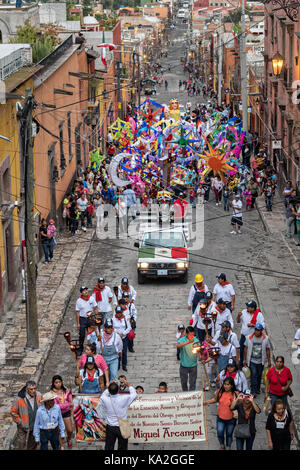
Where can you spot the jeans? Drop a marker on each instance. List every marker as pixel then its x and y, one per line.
pixel 225 426
pixel 112 434
pixel 290 227
pixel 45 246
pixel 89 219
pixel 112 368
pixel 83 215
pixel 84 323
pixel 226 203
pixel 269 202
pixel 242 348
pixel 255 379
pixel 51 247
pixel 49 436
pixel 124 352
pixel 185 373
pixel 249 443
pixel 74 226
pixel 218 195
pixel 278 397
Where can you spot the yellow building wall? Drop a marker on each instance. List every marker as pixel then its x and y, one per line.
pixel 9 127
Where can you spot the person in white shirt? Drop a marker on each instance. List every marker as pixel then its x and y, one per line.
pixel 197 292
pixel 227 351
pixel 122 327
pixel 110 346
pixel 82 203
pixel 217 186
pixel 130 312
pixel 231 370
pixel 249 317
pixel 232 337
pixel 223 289
pixel 103 296
pixel 297 341
pixel 222 314
pixel 125 287
pixel 237 215
pixel 84 305
pixel 114 405
pixel 198 316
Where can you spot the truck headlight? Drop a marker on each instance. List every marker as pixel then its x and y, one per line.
pixel 180 265
pixel 144 265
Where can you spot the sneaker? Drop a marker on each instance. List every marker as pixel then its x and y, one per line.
pixel 70 445
pixel 217 204
pixel 233 231
pixel 239 231
pixel 206 388
pixel 84 229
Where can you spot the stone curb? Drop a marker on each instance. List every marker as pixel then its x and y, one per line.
pixel 292 403
pixel 11 432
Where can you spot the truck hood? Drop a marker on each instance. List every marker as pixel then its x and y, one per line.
pixel 163 255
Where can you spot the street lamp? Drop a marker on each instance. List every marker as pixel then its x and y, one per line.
pixel 277 64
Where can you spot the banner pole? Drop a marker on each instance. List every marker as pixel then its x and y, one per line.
pixel 206 376
pixel 205 415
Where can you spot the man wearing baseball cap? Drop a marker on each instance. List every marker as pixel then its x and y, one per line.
pixel 198 317
pixel 232 337
pixel 223 289
pixel 110 346
pixel 237 216
pixel 48 423
pixel 122 327
pixel 256 354
pixel 125 287
pixel 222 314
pixel 197 292
pixel 103 296
pixel 85 304
pixel 249 317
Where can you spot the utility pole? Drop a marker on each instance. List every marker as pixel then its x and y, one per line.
pixel 220 63
pixel 31 299
pixel 133 81
pixel 118 70
pixel 139 80
pixel 244 71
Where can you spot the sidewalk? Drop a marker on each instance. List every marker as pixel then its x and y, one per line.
pixel 55 284
pixel 279 297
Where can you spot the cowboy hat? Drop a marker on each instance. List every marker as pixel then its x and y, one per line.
pixel 48 396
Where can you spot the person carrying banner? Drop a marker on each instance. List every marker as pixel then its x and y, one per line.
pixel 113 408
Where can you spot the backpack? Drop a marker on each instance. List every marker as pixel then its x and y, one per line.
pixel 197 297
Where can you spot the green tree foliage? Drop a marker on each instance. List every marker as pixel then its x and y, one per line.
pixel 87 8
pixel 43 41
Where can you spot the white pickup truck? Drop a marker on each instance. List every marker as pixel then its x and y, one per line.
pixel 162 254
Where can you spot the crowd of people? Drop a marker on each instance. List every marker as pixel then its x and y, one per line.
pixel 230 363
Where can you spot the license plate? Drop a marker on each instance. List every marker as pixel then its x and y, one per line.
pixel 162 272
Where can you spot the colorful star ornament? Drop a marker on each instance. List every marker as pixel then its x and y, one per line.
pixel 122 131
pixel 148 112
pixel 95 159
pixel 216 161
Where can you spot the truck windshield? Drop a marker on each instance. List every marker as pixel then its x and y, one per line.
pixel 163 239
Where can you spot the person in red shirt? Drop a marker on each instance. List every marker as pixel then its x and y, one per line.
pixel 180 208
pixel 278 381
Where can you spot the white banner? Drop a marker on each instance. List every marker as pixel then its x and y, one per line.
pixel 167 417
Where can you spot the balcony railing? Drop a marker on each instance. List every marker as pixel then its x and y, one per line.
pixel 10 64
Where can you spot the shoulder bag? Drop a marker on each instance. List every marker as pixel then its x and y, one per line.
pixel 289 391
pixel 123 424
pixel 242 430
